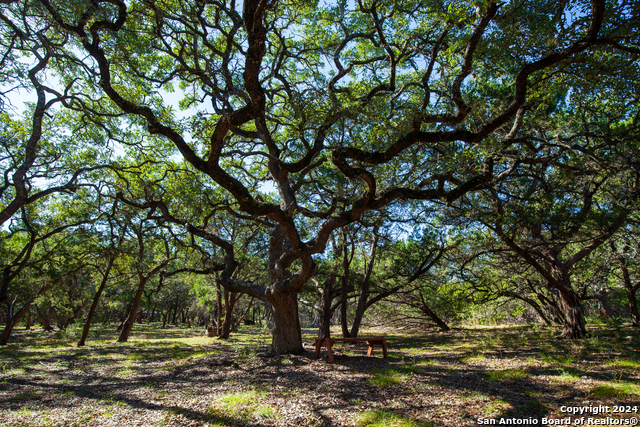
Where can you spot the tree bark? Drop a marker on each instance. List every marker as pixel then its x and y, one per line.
pixel 28 325
pixel 324 326
pixel 165 317
pixel 424 307
pixel 13 320
pixel 633 306
pixel 94 305
pixel 531 303
pixel 133 312
pixel 219 308
pixel 630 289
pixel 44 318
pixel 364 291
pixel 344 296
pixel 229 302
pixel 574 323
pixel 604 302
pixel 287 336
pixel 243 316
pixel 175 311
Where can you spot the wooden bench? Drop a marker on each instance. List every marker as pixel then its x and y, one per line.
pixel 328 343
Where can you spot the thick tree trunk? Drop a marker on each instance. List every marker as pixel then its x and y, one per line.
pixel 287 336
pixel 94 304
pixel 574 323
pixel 550 308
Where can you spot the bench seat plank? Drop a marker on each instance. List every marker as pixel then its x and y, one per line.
pixel 371 342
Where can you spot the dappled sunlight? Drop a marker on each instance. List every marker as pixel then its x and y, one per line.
pixel 430 380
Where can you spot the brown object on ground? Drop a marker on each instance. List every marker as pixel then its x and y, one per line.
pixel 372 341
pixel 212 331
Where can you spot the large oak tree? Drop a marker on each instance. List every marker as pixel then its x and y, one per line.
pixel 342 108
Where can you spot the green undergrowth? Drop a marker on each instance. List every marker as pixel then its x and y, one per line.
pixel 497 407
pixel 391 376
pixel 505 375
pixel 616 390
pixel 246 406
pixel 385 418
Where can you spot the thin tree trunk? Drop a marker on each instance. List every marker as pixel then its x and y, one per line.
pixel 424 307
pixel 633 306
pixel 175 310
pixel 94 305
pixel 54 316
pixel 152 312
pixel 259 316
pixel 604 302
pixel 324 327
pixel 532 304
pixel 364 291
pixel 219 308
pixel 630 290
pixel 229 301
pixel 13 320
pixel 123 318
pixel 241 318
pixel 165 317
pixel 28 326
pixel 133 312
pixel 44 319
pixel 344 296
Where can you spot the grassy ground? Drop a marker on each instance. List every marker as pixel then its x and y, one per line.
pixel 179 377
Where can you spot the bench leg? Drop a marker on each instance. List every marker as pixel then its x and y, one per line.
pixel 372 344
pixel 325 342
pixel 329 351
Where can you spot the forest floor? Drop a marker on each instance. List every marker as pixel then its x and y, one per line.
pixel 179 377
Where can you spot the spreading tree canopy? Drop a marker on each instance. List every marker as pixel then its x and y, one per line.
pixel 339 107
